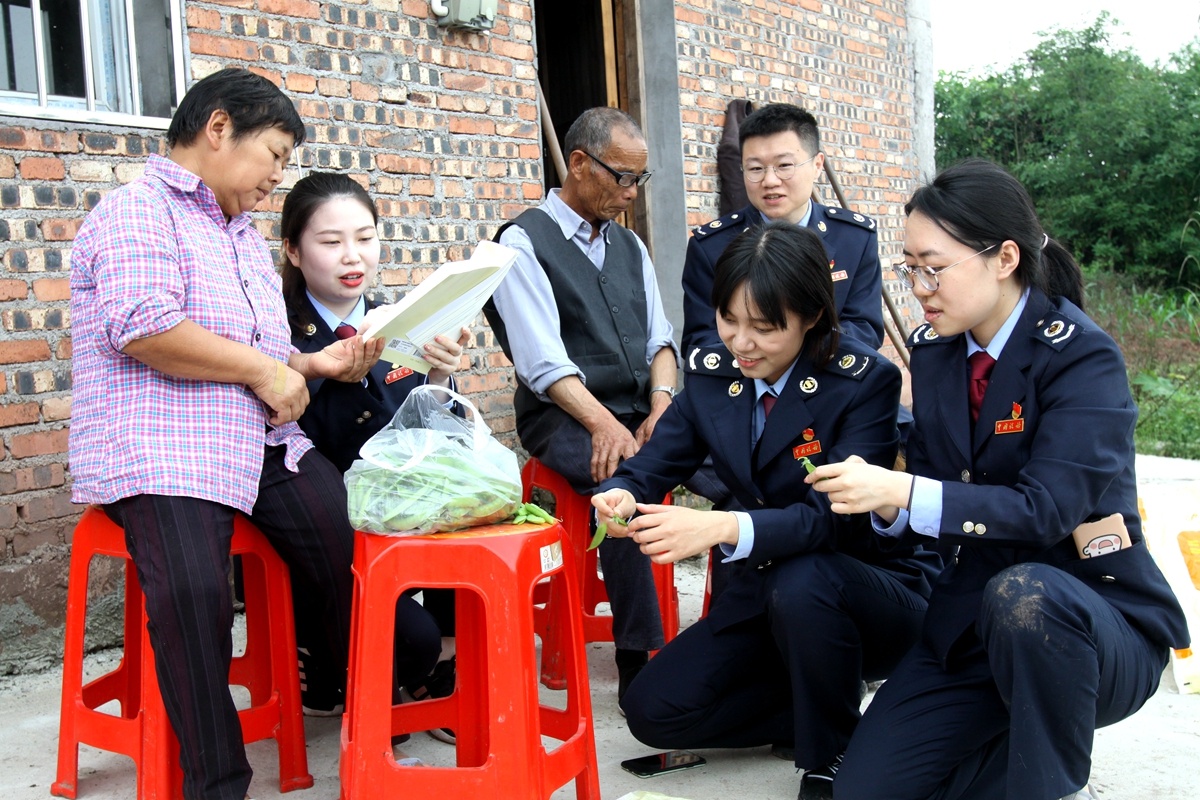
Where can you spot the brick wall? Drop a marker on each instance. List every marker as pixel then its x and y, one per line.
pixel 443 128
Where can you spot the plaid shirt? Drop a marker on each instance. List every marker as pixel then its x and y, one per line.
pixel 152 254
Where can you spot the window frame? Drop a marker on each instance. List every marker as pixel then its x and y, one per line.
pixel 54 107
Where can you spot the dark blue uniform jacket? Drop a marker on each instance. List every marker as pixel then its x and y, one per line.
pixel 846 408
pixel 1053 448
pixel 851 243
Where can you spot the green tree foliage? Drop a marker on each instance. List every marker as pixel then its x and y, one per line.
pixel 1108 146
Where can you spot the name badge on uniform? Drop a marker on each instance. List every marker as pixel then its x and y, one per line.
pixel 810 449
pixel 397 374
pixel 1014 425
pixel 840 275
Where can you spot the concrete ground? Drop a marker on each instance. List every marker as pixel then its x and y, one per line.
pixel 1146 756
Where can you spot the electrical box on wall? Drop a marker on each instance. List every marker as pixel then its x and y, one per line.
pixel 475 15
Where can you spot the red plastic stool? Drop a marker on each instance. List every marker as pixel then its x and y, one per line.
pixel 494 709
pixel 141 730
pixel 575 511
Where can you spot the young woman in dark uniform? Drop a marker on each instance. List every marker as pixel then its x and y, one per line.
pixel 330 257
pixel 815 604
pixel 1027 646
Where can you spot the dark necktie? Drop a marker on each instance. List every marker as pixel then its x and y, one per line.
pixel 344 331
pixel 981 369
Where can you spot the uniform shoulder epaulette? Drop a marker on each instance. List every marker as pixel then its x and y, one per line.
pixel 851 364
pixel 736 221
pixel 925 334
pixel 852 217
pixel 1057 330
pixel 711 361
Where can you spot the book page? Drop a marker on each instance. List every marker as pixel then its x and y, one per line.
pixel 444 302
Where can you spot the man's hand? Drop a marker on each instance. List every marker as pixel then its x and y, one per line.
pixel 347 360
pixel 855 487
pixel 672 533
pixel 283 391
pixel 611 442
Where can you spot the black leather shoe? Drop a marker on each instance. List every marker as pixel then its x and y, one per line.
pixel 817 784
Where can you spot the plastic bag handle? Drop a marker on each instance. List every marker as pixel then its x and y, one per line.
pixel 479 428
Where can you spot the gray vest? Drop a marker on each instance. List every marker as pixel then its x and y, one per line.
pixel 602 312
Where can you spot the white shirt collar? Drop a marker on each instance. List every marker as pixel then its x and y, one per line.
pixel 354 318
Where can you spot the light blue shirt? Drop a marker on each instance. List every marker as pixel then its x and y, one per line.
pixel 354 318
pixel 758 422
pixel 924 514
pixel 525 299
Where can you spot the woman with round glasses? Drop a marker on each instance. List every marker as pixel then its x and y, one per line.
pixel 1021 458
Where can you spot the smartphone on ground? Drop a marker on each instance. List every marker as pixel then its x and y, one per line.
pixel 660 763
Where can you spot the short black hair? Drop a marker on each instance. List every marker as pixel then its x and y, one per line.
pixel 780 118
pixel 784 267
pixel 252 102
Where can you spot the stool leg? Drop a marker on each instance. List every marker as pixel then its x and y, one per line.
pixel 67 779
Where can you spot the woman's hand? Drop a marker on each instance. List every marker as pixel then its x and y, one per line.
pixel 855 487
pixel 445 357
pixel 347 360
pixel 672 533
pixel 614 503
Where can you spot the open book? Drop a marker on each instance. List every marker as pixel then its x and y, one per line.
pixel 444 302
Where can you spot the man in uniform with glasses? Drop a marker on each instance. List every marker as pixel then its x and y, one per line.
pixel 781 159
pixel 581 318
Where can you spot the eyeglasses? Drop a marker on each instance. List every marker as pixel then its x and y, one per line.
pixel 625 179
pixel 928 276
pixel 782 171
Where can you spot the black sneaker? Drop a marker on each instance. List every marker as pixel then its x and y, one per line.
pixel 439 683
pixel 317 697
pixel 817 784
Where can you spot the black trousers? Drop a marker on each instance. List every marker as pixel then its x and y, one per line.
pixel 789 675
pixel 180 548
pixel 1014 715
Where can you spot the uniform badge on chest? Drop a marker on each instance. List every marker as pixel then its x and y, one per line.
pixel 397 374
pixel 1014 425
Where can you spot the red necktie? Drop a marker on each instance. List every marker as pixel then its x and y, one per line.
pixel 344 331
pixel 768 403
pixel 981 369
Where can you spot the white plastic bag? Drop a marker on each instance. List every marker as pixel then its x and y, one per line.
pixel 430 470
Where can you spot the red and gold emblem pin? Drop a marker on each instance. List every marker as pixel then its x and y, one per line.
pixel 810 449
pixel 1014 425
pixel 808 434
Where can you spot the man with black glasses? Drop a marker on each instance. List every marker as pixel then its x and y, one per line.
pixel 581 318
pixel 781 159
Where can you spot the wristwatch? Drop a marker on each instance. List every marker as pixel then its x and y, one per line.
pixel 668 389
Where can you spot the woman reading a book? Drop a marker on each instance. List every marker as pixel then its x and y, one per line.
pixel 330 256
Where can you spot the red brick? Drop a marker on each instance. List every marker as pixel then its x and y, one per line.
pixel 203 18
pixel 52 507
pixel 8 516
pixel 404 165
pixel 24 351
pixel 8 167
pixel 291 8
pixel 62 352
pixel 61 230
pixel 225 47
pixel 27 479
pixel 38 168
pixel 56 409
pixel 13 289
pixel 39 443
pixel 50 289
pixel 25 542
pixel 18 414
pixel 298 82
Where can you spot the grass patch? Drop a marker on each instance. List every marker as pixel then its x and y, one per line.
pixel 1159 334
